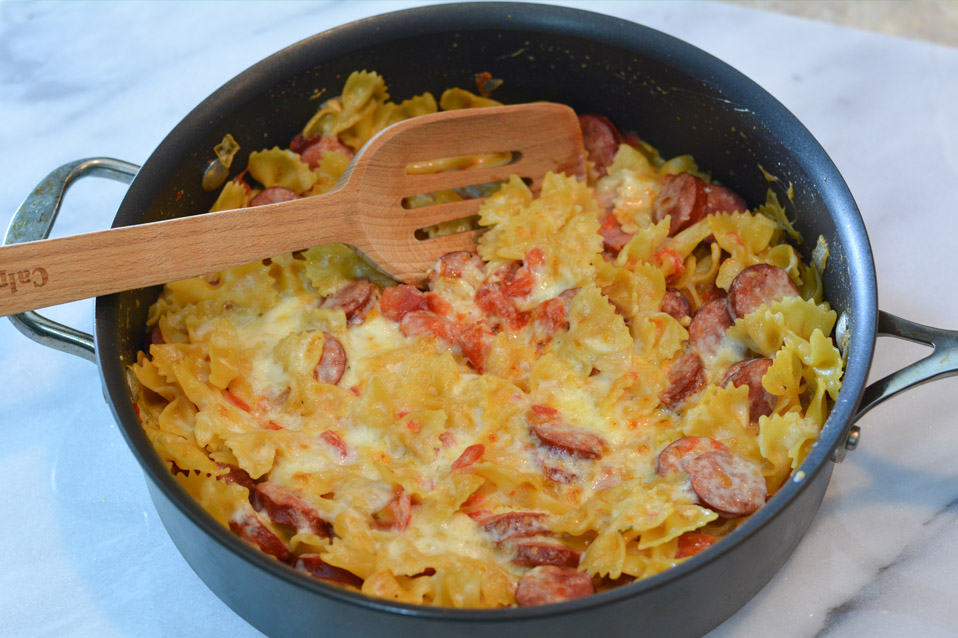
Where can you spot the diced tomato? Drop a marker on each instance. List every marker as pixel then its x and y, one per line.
pixel 672 261
pixel 481 79
pixel 520 285
pixel 236 400
pixel 335 441
pixel 475 342
pixel 535 257
pixel 469 456
pixel 437 304
pixel 418 322
pixel 548 319
pixel 397 514
pixel 475 499
pixel 491 300
pixel 241 180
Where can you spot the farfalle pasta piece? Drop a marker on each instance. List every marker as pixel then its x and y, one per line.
pixel 765 330
pixel 784 440
pixel 598 337
pixel 282 168
pixel 234 194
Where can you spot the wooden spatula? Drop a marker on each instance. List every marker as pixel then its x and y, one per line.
pixel 365 210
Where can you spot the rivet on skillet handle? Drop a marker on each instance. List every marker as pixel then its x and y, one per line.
pixel 34 220
pixel 942 362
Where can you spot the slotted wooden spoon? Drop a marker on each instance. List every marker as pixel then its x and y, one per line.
pixel 365 210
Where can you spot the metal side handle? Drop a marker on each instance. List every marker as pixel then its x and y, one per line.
pixel 33 221
pixel 942 362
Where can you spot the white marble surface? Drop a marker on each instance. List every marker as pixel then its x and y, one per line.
pixel 81 549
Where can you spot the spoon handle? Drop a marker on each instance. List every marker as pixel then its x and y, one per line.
pixel 44 273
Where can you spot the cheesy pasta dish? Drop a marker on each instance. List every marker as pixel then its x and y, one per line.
pixel 630 364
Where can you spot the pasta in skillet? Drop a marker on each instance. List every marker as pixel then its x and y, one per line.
pixel 627 367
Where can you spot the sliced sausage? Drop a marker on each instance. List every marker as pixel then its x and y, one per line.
pixel 683 197
pixel 299 143
pixel 332 363
pixel 500 527
pixel 534 552
pixel 246 525
pixel 286 507
pixel 553 430
pixel 708 327
pixel 315 566
pixel 399 300
pixel 273 195
pixel 757 285
pixel 457 265
pixel 601 140
pixel 676 455
pixel 761 402
pixel 613 237
pixel 733 371
pixel 686 377
pixel 155 338
pixel 719 199
pixel 545 585
pixel 674 303
pixel 355 299
pixel 313 153
pixel 691 543
pixel 469 456
pixel 236 475
pixel 727 483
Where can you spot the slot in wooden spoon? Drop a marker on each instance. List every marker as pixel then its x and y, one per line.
pixel 365 210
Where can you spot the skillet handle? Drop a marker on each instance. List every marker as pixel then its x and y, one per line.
pixel 33 221
pixel 942 362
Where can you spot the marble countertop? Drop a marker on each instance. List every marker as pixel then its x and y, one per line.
pixel 83 552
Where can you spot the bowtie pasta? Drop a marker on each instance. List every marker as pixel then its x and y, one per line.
pixel 627 367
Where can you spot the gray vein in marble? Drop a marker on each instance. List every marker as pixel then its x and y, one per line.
pixel 869 597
